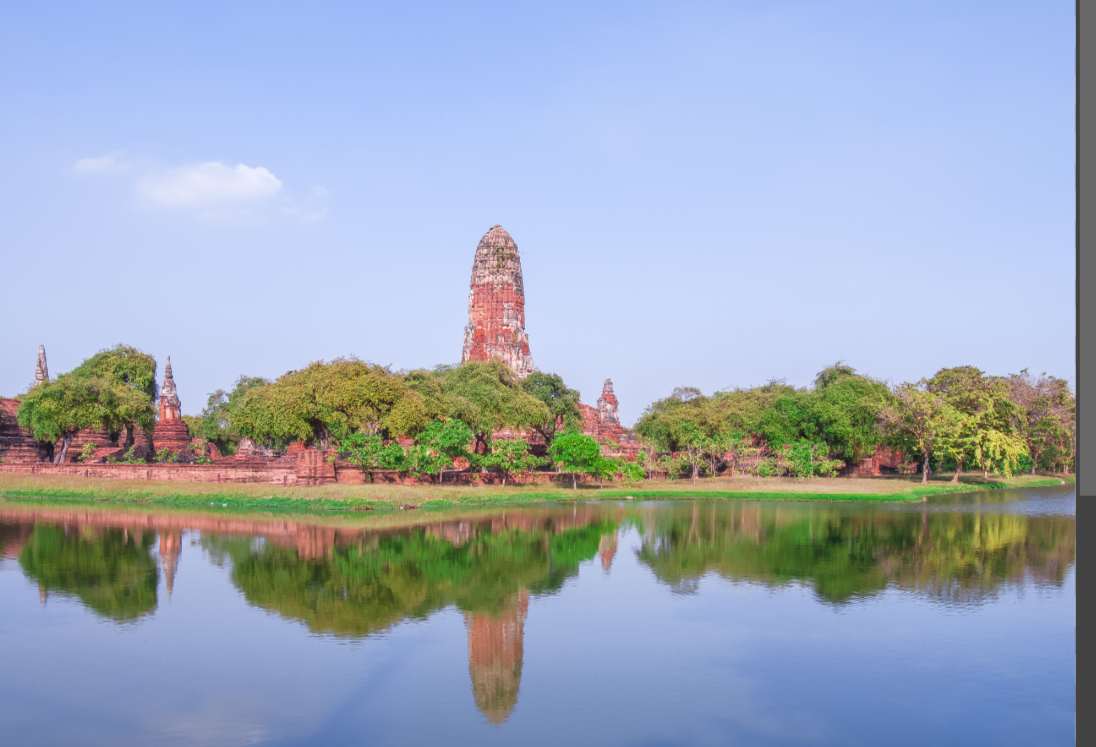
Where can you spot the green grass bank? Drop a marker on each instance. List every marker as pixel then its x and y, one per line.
pixel 366 500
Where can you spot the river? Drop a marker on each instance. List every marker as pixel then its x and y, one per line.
pixel 631 623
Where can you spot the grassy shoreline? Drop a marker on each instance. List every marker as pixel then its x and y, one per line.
pixel 372 500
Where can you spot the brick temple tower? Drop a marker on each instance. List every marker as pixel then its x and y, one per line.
pixel 170 432
pixel 41 370
pixel 496 305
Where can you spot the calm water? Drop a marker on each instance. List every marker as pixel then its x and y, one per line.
pixel 681 623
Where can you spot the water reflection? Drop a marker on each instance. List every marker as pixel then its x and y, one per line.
pixel 352 582
pixel 962 556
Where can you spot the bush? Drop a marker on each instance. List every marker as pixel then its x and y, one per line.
pixel 769 468
pixel 86 452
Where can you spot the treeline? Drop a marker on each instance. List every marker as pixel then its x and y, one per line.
pixel 422 422
pixel 478 414
pixel 960 418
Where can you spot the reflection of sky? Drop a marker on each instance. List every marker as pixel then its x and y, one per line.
pixel 611 659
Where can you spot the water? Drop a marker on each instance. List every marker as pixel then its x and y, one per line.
pixel 683 623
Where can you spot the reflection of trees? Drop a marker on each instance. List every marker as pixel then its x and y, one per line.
pixel 375 582
pixel 946 555
pixel 109 570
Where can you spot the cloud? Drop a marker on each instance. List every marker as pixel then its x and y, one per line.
pixel 99 164
pixel 211 190
pixel 210 184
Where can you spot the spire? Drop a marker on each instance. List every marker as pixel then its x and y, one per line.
pixel 170 407
pixel 496 305
pixel 607 404
pixel 41 371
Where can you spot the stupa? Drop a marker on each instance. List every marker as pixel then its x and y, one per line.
pixel 496 305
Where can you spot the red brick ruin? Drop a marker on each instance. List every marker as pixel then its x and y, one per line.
pixel 170 432
pixel 496 305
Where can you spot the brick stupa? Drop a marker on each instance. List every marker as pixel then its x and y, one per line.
pixel 496 305
pixel 17 445
pixel 170 432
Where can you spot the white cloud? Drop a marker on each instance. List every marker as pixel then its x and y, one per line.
pixel 209 185
pixel 211 190
pixel 99 164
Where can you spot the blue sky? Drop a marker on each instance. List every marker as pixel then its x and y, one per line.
pixel 704 194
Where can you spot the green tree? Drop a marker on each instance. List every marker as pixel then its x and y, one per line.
pixel 57 410
pixel 575 454
pixel 484 395
pixel 215 424
pixel 325 402
pixel 510 456
pixel 562 401
pixel 443 441
pixel 916 419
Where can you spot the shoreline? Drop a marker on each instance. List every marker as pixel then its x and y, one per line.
pixel 365 501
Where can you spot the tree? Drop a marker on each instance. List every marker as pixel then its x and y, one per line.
pixel 443 441
pixel 916 418
pixel 955 439
pixel 325 402
pixel 484 395
pixel 846 409
pixel 113 390
pixel 999 452
pixel 575 454
pixel 363 449
pixel 562 401
pixel 1047 412
pixel 510 456
pixel 215 424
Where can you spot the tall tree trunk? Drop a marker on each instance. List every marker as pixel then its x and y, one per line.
pixel 65 441
pixel 958 472
pixel 574 481
pixel 925 468
pixel 696 471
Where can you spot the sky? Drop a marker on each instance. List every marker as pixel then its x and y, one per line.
pixel 703 194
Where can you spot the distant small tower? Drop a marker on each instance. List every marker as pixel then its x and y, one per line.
pixel 607 405
pixel 41 370
pixel 170 432
pixel 170 407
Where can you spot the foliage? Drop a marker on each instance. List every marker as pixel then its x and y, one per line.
pixel 562 401
pixel 87 451
pixel 484 395
pixel 509 457
pixel 575 454
pixel 215 423
pixel 326 402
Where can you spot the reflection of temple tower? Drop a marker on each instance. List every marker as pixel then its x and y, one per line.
pixel 171 546
pixel 495 651
pixel 607 549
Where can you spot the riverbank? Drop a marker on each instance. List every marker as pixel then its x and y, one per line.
pixel 363 499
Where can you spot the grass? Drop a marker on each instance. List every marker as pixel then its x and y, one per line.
pixel 375 500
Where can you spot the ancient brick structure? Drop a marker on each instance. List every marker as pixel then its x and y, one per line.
pixel 17 446
pixel 603 423
pixel 41 370
pixel 496 305
pixel 170 432
pixel 884 460
pixel 496 645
